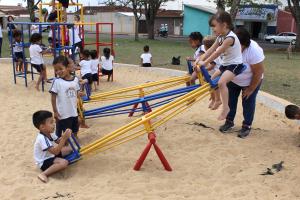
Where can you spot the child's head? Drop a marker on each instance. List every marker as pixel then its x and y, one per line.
pixel 208 41
pixel 106 53
pixel 62 66
pixel 10 18
pixel 146 48
pixel 244 37
pixel 76 18
pixel 17 35
pixel 221 23
pixel 94 54
pixel 44 121
pixel 36 19
pixel 195 39
pixel 85 54
pixel 292 112
pixel 36 38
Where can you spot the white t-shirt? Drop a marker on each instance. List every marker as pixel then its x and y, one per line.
pixel 34 29
pixel 36 56
pixel 85 67
pixel 76 35
pixel 17 47
pixel 199 50
pixel 41 146
pixel 252 55
pixel 1 32
pixel 94 66
pixel 146 57
pixel 233 54
pixel 66 99
pixel 107 64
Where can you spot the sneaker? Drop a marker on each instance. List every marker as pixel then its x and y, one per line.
pixel 226 127
pixel 244 132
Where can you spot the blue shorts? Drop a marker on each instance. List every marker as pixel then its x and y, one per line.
pixel 49 162
pixel 63 124
pixel 18 55
pixel 235 69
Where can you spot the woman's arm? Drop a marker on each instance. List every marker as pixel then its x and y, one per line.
pixel 257 70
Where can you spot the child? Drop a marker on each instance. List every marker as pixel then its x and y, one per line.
pixel 227 43
pixel 146 57
pixel 78 42
pixel 36 57
pixel 18 50
pixel 107 62
pixel 94 66
pixel 64 93
pixel 212 67
pixel 65 5
pixel 195 40
pixel 86 66
pixel 35 28
pixel 292 112
pixel 10 27
pixel 48 149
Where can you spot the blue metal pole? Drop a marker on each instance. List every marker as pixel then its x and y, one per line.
pixel 23 49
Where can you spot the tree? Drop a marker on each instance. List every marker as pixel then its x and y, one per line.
pixel 294 6
pixel 30 7
pixel 151 8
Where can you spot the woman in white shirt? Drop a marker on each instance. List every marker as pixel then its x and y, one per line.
pixel 106 63
pixel 248 83
pixel 146 57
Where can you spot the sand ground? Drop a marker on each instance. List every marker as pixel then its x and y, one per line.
pixel 206 164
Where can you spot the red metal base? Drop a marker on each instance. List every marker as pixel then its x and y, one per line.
pixel 152 141
pixel 135 107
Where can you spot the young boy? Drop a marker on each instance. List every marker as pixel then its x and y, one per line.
pixel 48 149
pixel 18 50
pixel 146 57
pixel 64 93
pixel 292 112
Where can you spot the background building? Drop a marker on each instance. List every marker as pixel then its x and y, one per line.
pixel 285 22
pixel 18 12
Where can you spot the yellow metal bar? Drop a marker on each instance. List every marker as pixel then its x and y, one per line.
pixel 41 13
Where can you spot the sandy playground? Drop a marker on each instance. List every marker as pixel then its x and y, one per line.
pixel 206 164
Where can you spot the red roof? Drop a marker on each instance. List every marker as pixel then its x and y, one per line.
pixel 13 10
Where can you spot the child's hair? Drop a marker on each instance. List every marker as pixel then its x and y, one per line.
pixel 291 111
pixel 10 17
pixel 35 38
pixel 40 117
pixel 146 48
pixel 93 54
pixel 106 53
pixel 61 60
pixel 77 17
pixel 222 17
pixel 208 41
pixel 244 36
pixel 17 33
pixel 85 53
pixel 196 36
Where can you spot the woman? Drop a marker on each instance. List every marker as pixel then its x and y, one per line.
pixel 1 36
pixel 248 82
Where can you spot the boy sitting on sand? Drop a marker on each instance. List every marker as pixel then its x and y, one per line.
pixel 48 148
pixel 292 112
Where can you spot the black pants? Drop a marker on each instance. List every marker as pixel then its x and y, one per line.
pixel 234 91
pixel 0 46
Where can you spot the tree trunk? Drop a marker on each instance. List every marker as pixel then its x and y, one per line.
pixel 150 29
pixel 234 8
pixel 220 5
pixel 30 7
pixel 136 31
pixel 297 46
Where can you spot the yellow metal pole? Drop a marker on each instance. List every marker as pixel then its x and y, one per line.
pixel 41 13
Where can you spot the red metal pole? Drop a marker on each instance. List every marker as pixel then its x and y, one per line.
pixel 162 158
pixel 142 158
pixel 82 35
pixel 133 110
pixel 112 39
pixel 97 38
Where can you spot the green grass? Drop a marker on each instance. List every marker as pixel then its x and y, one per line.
pixel 282 76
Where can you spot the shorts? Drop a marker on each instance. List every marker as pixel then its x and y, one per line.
pixel 49 162
pixel 63 124
pixel 107 72
pixel 39 68
pixel 235 69
pixel 95 77
pixel 18 55
pixel 146 65
pixel 79 45
pixel 88 77
pixel 64 3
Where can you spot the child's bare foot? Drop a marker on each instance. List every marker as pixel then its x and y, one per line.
pixel 223 114
pixel 211 104
pixel 216 105
pixel 43 178
pixel 37 88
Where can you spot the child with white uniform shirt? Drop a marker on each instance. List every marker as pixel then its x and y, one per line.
pixel 95 67
pixel 146 57
pixel 86 66
pixel 106 63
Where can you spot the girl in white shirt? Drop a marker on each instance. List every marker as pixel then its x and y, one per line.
pixel 106 63
pixel 228 44
pixel 146 57
pixel 85 66
pixel 95 67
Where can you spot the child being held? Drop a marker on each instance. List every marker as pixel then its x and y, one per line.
pixel 36 57
pixel 146 57
pixel 64 93
pixel 48 148
pixel 95 67
pixel 18 50
pixel 106 63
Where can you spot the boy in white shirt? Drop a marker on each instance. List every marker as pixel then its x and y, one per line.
pixel 48 149
pixel 146 57
pixel 18 50
pixel 64 93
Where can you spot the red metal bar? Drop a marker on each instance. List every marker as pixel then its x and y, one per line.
pixel 133 110
pixel 97 39
pixel 82 39
pixel 142 158
pixel 112 39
